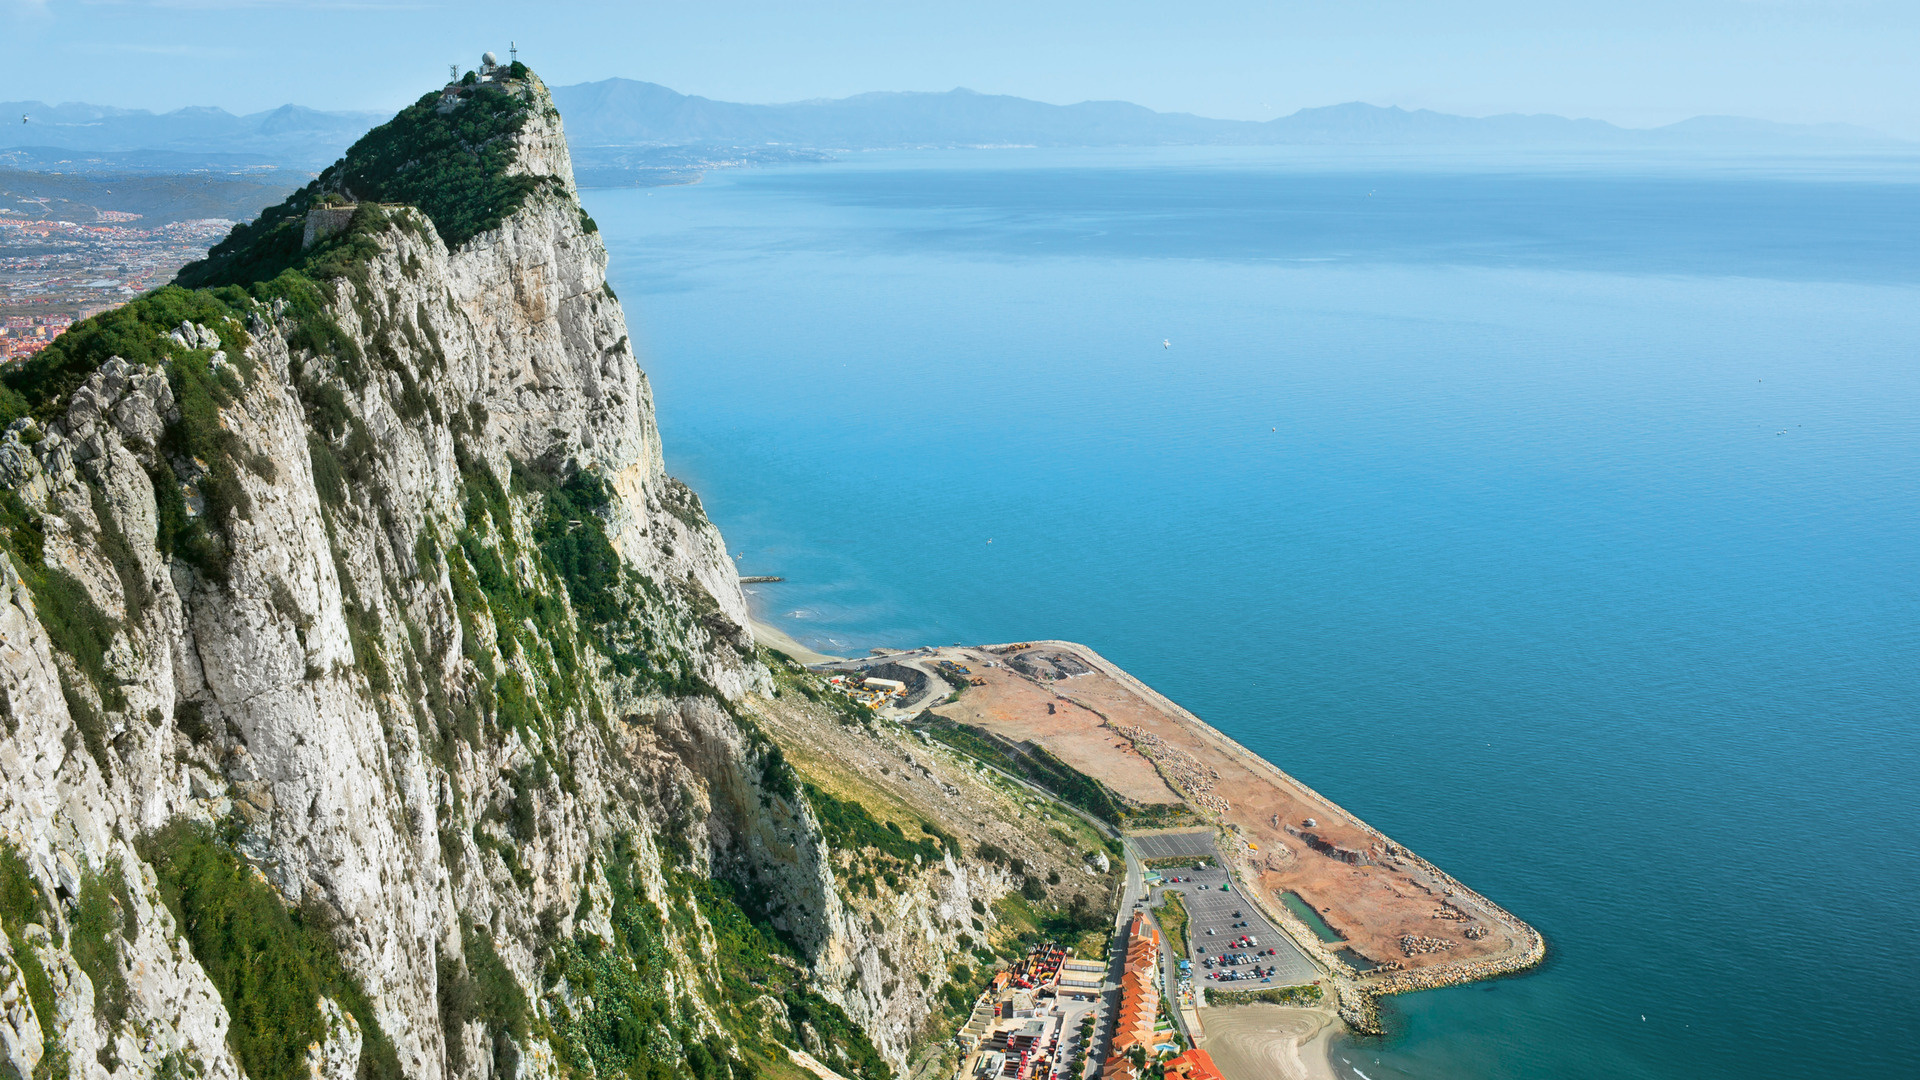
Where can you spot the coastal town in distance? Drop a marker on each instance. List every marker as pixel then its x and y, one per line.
pixel 73 244
pixel 54 272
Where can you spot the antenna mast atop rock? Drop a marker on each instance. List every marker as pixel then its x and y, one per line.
pixel 513 52
pixel 453 72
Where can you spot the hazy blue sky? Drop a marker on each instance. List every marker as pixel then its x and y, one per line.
pixel 1635 62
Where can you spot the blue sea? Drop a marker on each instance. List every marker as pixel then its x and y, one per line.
pixel 1560 518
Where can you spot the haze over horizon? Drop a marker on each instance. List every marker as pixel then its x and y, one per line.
pixel 1636 64
pixel 626 132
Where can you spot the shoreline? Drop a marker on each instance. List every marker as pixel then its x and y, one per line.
pixel 773 638
pixel 1259 1041
pixel 766 633
pixel 1387 899
pixel 1317 1053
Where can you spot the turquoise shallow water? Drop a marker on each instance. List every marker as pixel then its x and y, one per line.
pixel 1564 524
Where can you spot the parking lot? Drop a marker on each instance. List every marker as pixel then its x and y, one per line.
pixel 1169 845
pixel 1230 917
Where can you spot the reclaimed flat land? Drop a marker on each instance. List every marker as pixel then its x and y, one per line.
pixel 1013 705
pixel 1390 906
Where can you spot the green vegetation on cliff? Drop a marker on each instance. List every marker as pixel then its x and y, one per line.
pixel 450 162
pixel 79 631
pixel 572 535
pixel 756 959
pixel 449 159
pixel 532 619
pixel 22 903
pixel 847 826
pixel 135 333
pixel 40 389
pixel 870 850
pixel 103 917
pixel 271 965
pixel 480 989
pixel 637 1029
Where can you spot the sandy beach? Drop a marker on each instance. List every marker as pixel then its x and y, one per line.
pixel 1270 1041
pixel 772 638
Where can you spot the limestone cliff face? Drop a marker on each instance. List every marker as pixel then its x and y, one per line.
pixel 373 704
pixel 381 688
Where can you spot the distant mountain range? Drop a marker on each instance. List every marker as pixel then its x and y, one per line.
pixel 624 128
pixel 622 112
pixel 98 137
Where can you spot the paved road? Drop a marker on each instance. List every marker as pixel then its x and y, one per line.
pixel 1075 1011
pixel 1133 895
pixel 937 688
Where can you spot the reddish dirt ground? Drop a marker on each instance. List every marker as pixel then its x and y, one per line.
pixel 1371 891
pixel 1013 705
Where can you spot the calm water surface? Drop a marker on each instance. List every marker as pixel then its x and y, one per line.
pixel 1564 523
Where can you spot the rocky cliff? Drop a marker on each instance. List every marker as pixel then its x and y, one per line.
pixel 375 704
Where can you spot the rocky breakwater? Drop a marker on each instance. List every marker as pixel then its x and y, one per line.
pixel 1356 991
pixel 374 705
pixel 1461 905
